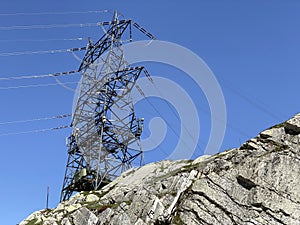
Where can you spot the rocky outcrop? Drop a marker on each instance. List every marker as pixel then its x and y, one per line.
pixel 256 184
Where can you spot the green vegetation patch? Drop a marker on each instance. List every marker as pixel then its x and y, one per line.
pixel 283 124
pixel 101 207
pixel 177 220
pixel 33 222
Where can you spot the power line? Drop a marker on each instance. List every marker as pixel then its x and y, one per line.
pixel 52 13
pixel 71 72
pixel 229 125
pixel 53 51
pixel 158 146
pixel 36 85
pixel 254 102
pixel 148 133
pixel 44 40
pixel 33 52
pixel 168 104
pixel 36 119
pixel 174 113
pixel 171 127
pixel 34 131
pixel 49 26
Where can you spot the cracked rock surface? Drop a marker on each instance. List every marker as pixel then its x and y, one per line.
pixel 256 184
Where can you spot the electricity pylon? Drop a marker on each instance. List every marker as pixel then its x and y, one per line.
pixel 105 140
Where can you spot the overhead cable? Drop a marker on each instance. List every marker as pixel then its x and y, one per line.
pixel 48 26
pixel 40 76
pixel 34 131
pixel 36 119
pixel 43 40
pixel 36 85
pixel 158 112
pixel 53 51
pixel 262 106
pixel 52 13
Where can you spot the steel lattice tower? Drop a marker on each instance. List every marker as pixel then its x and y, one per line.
pixel 106 132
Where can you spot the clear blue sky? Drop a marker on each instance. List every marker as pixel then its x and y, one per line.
pixel 252 47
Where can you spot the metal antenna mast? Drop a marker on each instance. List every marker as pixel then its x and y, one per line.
pixel 106 132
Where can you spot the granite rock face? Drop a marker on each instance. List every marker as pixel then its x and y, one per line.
pixel 256 184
